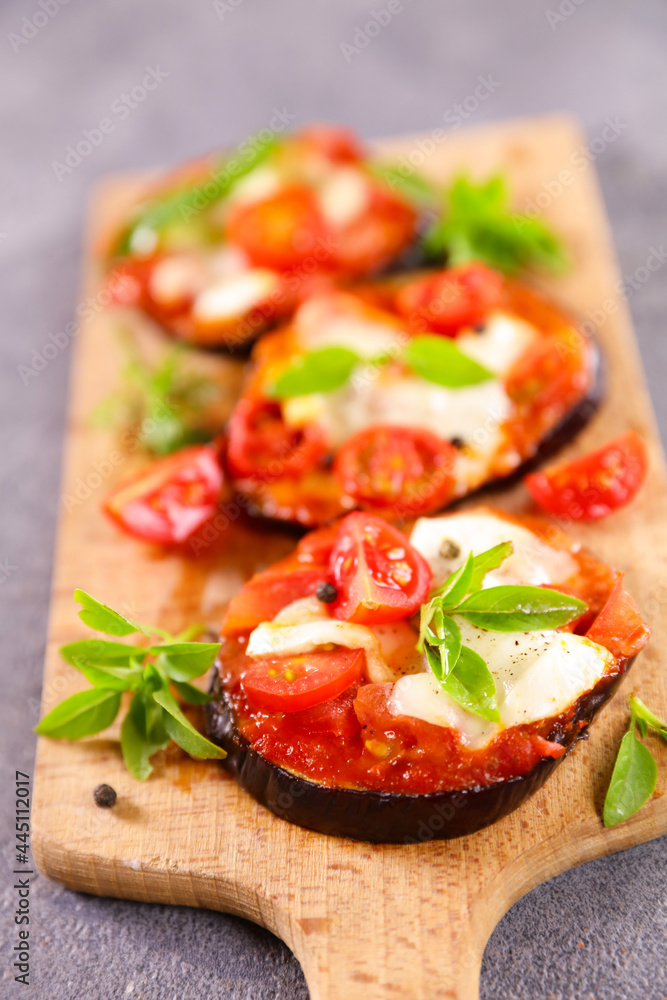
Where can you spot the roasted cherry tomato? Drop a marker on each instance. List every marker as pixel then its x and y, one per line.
pixel 594 485
pixel 293 683
pixel 378 575
pixel 402 469
pixel 377 235
pixel 279 232
pixel 445 302
pixel 261 446
pixel 338 144
pixel 169 501
pixel 619 627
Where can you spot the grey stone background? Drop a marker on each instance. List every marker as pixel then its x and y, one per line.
pixel 599 932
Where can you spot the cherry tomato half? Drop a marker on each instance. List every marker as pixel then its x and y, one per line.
pixel 445 302
pixel 378 234
pixel 293 683
pixel 167 503
pixel 260 445
pixel 594 485
pixel 400 469
pixel 378 575
pixel 619 627
pixel 278 232
pixel 338 144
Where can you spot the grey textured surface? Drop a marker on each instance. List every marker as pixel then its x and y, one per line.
pixel 599 932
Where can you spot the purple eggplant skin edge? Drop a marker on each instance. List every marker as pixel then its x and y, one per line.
pixel 389 817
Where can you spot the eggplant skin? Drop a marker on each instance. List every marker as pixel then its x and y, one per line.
pixel 388 817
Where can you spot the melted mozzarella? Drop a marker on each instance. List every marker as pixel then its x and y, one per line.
pixel 340 320
pixel 262 182
pixel 446 541
pixel 499 344
pixel 176 277
pixel 344 196
pixel 537 674
pixel 234 295
pixel 304 626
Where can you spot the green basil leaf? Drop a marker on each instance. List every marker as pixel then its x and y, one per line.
pixel 183 732
pixel 487 561
pixel 191 694
pixel 318 371
pixel 456 586
pixel 470 683
pixel 642 714
pixel 111 678
pixel 443 646
pixel 184 660
pixel 412 186
pixel 632 781
pixel 83 714
pixel 439 360
pixel 101 651
pixel 142 734
pixel 103 618
pixel 520 609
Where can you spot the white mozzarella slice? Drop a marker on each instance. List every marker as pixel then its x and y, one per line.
pixel 446 541
pixel 234 295
pixel 175 278
pixel 537 674
pixel 262 182
pixel 499 344
pixel 398 642
pixel 344 196
pixel 338 320
pixel 303 628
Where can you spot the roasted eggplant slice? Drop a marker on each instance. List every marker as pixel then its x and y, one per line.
pixel 357 403
pixel 228 246
pixel 376 748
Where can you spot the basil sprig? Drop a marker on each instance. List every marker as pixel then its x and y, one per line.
pixel 154 717
pixel 179 204
pixel 460 671
pixel 635 771
pixel 477 223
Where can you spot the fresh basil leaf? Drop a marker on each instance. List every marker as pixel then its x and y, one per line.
pixel 412 186
pixel 179 204
pixel 318 371
pixel 470 683
pixel 83 714
pixel 443 646
pixel 191 694
pixel 487 561
pixel 438 359
pixel 111 678
pixel 456 586
pixel 103 618
pixel 642 714
pixel 142 734
pixel 520 609
pixel 184 660
pixel 477 223
pixel 632 781
pixel 101 651
pixel 183 732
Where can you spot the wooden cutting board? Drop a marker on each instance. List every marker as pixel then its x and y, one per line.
pixel 372 921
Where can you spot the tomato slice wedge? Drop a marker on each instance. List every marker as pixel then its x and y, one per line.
pixel 261 445
pixel 401 470
pixel 293 683
pixel 167 503
pixel 378 575
pixel 620 627
pixel 594 485
pixel 280 231
pixel 445 302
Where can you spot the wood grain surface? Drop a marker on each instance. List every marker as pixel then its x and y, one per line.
pixel 368 921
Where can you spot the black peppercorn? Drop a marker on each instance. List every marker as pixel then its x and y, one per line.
pixel 105 796
pixel 458 442
pixel 326 592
